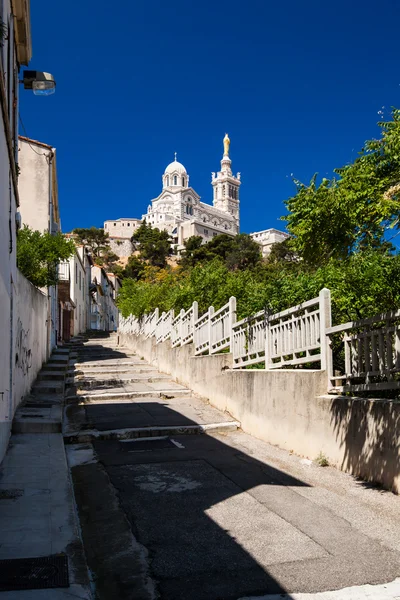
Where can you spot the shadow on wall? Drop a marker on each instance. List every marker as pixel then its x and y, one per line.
pixel 368 432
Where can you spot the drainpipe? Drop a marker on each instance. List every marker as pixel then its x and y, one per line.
pixel 49 158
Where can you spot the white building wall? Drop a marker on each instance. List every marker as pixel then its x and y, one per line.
pixel 8 120
pixel 30 336
pixel 267 238
pixel 78 293
pixel 123 228
pixel 34 186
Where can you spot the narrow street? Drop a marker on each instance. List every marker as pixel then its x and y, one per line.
pixel 169 512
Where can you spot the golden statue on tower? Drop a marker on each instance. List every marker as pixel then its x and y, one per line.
pixel 227 143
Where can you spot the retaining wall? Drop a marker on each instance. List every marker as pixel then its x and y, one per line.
pixel 290 409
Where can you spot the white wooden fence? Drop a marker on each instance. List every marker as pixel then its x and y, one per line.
pixel 299 335
pixel 371 354
pixel 291 337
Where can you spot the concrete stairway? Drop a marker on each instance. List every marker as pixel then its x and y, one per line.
pixel 41 411
pixel 114 394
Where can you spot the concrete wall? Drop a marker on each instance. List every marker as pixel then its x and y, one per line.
pixel 123 228
pixel 78 293
pixel 288 408
pixel 34 186
pixel 8 209
pixel 30 347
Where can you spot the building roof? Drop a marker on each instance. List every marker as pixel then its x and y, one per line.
pixel 123 219
pixel 176 167
pixel 22 29
pixel 30 141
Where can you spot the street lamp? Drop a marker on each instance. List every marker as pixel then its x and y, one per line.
pixel 42 84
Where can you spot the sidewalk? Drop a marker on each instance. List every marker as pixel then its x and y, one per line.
pixel 37 507
pixel 37 513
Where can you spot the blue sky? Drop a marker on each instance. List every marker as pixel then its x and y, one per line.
pixel 297 85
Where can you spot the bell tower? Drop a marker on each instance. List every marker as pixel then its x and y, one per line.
pixel 226 186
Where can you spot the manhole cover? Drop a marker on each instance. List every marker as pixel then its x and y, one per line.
pixel 11 494
pixel 148 445
pixel 34 573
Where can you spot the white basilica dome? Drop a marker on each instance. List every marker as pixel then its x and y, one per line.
pixel 175 167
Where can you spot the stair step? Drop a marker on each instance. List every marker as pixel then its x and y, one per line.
pixel 153 431
pixel 38 420
pixel 52 375
pixel 48 387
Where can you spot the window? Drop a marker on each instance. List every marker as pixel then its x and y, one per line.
pixel 206 232
pixel 80 280
pixel 204 219
pixel 114 224
pixel 105 225
pixel 167 180
pixel 76 273
pixel 183 182
pixel 128 224
pixel 123 224
pixel 175 180
pixel 223 190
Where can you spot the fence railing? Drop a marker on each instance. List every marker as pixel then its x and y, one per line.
pixel 371 354
pixel 221 323
pixel 188 320
pixel 163 326
pixel 297 335
pixel 367 352
pixel 249 340
pixel 291 337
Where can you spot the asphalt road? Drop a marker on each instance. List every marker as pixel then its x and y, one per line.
pixel 216 517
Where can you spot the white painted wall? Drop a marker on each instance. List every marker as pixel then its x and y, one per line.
pixel 29 335
pixel 7 227
pixel 267 238
pixel 123 228
pixel 78 293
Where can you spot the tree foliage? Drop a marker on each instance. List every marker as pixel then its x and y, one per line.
pixel 238 253
pixel 154 245
pixel 354 209
pixel 96 239
pixel 38 255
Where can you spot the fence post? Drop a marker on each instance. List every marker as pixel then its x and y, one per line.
pixel 210 314
pixel 170 324
pixel 325 321
pixel 156 317
pixel 180 328
pixel 195 314
pixel 232 320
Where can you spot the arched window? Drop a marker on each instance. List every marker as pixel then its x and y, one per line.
pixel 223 190
pixel 175 180
pixel 183 182
pixel 167 180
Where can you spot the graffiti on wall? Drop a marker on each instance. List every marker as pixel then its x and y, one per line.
pixel 23 352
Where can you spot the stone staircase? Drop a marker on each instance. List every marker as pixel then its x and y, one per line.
pixel 42 410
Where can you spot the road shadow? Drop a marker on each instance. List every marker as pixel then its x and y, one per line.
pixel 368 432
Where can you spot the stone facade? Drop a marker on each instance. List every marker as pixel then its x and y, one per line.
pixel 121 246
pixel 179 210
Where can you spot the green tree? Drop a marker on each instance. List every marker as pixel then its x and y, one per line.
pixel 354 210
pixel 96 239
pixel 154 245
pixel 238 252
pixel 38 255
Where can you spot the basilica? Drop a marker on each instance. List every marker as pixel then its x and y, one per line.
pixel 179 210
